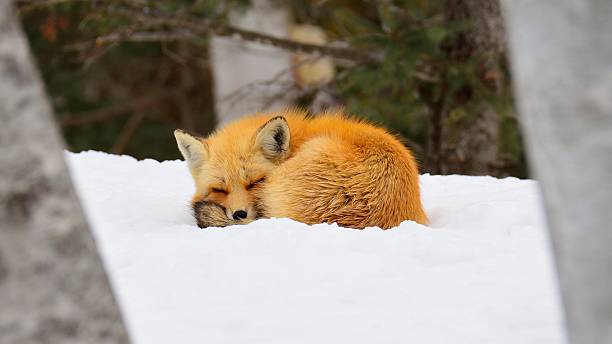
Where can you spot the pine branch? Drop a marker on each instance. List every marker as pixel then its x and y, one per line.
pixel 189 27
pixel 197 25
pixel 26 5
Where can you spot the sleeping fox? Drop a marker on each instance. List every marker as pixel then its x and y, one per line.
pixel 328 168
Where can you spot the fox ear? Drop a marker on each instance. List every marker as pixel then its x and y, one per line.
pixel 193 149
pixel 273 138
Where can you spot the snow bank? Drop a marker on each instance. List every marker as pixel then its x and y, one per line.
pixel 482 273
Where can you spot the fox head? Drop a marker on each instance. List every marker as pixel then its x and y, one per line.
pixel 230 166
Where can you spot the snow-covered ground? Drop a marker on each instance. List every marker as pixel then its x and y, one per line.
pixel 482 273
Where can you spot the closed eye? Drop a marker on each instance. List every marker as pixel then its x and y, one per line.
pixel 217 190
pixel 255 183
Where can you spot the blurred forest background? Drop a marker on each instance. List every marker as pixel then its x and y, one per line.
pixel 122 74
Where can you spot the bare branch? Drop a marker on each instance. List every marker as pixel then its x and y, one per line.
pixel 189 27
pixel 128 130
pixel 147 36
pixel 108 113
pixel 199 25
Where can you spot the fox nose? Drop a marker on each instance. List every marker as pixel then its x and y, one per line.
pixel 239 214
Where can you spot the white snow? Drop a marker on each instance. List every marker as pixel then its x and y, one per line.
pixel 482 273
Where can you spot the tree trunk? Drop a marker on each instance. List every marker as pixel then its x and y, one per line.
pixel 249 77
pixel 562 64
pixel 470 146
pixel 53 288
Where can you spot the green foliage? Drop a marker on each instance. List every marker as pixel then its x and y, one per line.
pixel 83 78
pixel 418 75
pixel 419 80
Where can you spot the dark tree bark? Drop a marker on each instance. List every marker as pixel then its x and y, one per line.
pixel 53 288
pixel 470 146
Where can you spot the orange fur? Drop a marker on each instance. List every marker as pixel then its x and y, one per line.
pixel 335 169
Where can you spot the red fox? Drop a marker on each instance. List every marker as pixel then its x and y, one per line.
pixel 329 168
